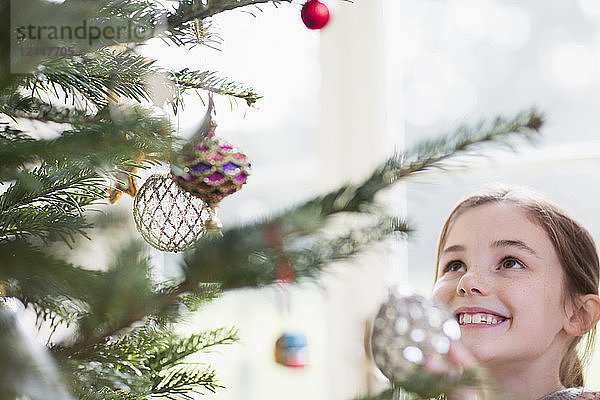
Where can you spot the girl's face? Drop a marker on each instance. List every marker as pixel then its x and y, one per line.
pixel 500 275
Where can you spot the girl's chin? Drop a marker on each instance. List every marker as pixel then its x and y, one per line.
pixel 482 351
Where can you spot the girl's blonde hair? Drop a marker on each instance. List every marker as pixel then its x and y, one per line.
pixel 574 246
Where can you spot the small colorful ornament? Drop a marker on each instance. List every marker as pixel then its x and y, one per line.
pixel 407 331
pixel 291 350
pixel 125 180
pixel 167 217
pixel 212 170
pixel 124 183
pixel 315 14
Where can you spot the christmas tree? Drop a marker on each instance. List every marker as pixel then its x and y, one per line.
pixel 94 97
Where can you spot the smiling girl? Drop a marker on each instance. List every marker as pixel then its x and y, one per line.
pixel 521 277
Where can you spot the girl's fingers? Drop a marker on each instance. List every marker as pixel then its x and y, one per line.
pixel 460 356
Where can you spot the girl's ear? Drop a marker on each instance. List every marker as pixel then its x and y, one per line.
pixel 584 315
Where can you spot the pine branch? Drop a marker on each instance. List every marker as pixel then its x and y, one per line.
pixel 52 286
pixel 38 278
pixel 191 301
pixel 150 362
pixel 99 77
pixel 180 349
pixel 325 251
pixel 130 294
pixel 253 262
pixel 151 16
pixel 45 222
pixel 191 33
pixel 189 10
pixel 10 135
pixel 251 266
pixel 209 81
pixel 100 144
pixel 16 105
pixel 48 202
pixel 427 155
pixel 131 298
pixel 91 393
pixel 182 382
pixel 104 75
pixel 205 293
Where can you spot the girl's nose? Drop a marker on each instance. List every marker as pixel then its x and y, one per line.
pixel 471 284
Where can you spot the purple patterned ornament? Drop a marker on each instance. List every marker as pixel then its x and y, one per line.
pixel 213 171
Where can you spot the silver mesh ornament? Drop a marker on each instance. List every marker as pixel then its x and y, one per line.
pixel 407 331
pixel 168 217
pixel 565 394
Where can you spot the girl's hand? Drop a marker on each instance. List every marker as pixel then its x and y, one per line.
pixel 458 356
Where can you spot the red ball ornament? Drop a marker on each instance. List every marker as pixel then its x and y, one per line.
pixel 315 14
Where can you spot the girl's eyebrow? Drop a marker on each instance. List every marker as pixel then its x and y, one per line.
pixel 454 249
pixel 498 243
pixel 513 243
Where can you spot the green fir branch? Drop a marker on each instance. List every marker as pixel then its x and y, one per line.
pixel 205 293
pixel 150 361
pixel 178 350
pixel 104 393
pixel 130 295
pixel 191 33
pixel 107 141
pixel 191 301
pixel 9 135
pixel 104 302
pixel 310 261
pixel 254 261
pixel 209 81
pixel 49 201
pixel 16 105
pixel 189 10
pixel 251 266
pixel 98 77
pixel 46 222
pixel 180 383
pixel 153 17
pixel 52 286
pixel 426 155
pixel 132 298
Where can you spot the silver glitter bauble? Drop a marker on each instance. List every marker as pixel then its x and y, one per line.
pixel 168 217
pixel 407 331
pixel 566 394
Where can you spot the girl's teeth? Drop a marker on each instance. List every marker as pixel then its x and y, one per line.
pixel 479 318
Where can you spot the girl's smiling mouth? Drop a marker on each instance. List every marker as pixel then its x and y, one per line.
pixel 476 317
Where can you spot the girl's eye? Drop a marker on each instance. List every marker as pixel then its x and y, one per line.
pixel 455 266
pixel 511 263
